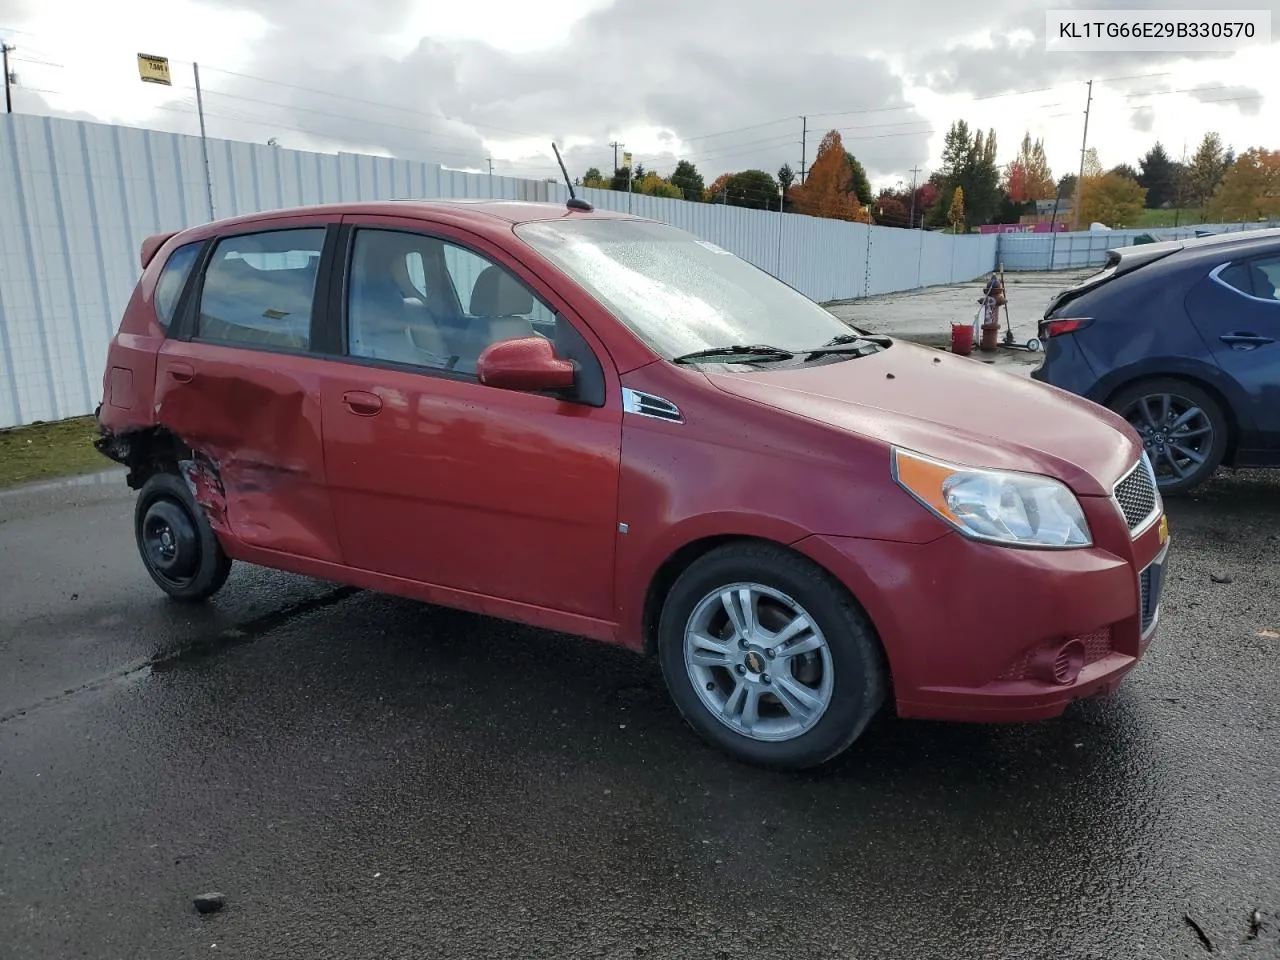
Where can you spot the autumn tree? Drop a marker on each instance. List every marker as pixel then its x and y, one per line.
pixel 654 186
pixel 718 191
pixel 955 215
pixel 826 191
pixel 1111 199
pixel 1028 177
pixel 891 210
pixel 1250 190
pixel 688 179
pixel 1206 170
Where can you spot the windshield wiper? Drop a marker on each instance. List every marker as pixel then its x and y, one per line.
pixel 756 351
pixel 848 343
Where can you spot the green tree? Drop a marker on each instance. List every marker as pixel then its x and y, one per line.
pixel 687 178
pixel 859 182
pixel 1157 176
pixel 969 163
pixel 753 188
pixel 1126 171
pixel 786 176
pixel 593 178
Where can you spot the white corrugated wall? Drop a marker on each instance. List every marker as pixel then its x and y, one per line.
pixel 77 199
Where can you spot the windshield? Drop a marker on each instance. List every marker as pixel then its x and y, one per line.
pixel 678 293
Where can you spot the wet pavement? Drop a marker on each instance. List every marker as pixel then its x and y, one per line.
pixel 364 776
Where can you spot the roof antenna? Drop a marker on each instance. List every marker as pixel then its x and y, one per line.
pixel 573 203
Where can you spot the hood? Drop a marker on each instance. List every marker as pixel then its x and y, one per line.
pixel 954 408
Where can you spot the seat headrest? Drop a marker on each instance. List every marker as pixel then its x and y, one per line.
pixel 498 294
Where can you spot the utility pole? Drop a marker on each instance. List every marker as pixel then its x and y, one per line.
pixel 911 222
pixel 490 159
pixel 804 139
pixel 204 143
pixel 1084 144
pixel 615 146
pixel 8 77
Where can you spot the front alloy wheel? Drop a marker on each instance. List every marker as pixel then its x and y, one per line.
pixel 758 662
pixel 769 657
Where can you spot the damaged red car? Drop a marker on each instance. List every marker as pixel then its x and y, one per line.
pixel 602 425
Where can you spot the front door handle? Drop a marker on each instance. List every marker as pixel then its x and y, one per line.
pixel 362 403
pixel 182 372
pixel 1245 340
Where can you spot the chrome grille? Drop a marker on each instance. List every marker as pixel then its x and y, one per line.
pixel 1136 494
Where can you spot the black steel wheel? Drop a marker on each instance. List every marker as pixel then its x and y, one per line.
pixel 177 545
pixel 1182 428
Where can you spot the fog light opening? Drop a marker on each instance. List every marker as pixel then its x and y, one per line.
pixel 1060 665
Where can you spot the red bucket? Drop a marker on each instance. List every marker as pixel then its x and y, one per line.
pixel 962 338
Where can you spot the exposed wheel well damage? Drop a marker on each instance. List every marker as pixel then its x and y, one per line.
pixel 146 451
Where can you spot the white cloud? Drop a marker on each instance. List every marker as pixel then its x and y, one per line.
pixel 720 82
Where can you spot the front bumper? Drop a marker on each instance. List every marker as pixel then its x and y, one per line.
pixel 966 626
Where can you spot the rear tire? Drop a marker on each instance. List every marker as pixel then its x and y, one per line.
pixel 178 547
pixel 749 677
pixel 1183 430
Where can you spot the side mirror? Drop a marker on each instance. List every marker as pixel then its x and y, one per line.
pixel 529 364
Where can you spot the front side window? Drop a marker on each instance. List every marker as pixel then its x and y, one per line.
pixel 259 288
pixel 173 278
pixel 426 302
pixel 678 293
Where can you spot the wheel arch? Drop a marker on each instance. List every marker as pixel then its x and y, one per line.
pixel 1195 380
pixel 146 451
pixel 685 556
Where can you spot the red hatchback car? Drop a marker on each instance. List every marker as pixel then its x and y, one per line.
pixel 602 425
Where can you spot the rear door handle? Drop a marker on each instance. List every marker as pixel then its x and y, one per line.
pixel 362 403
pixel 182 372
pixel 1245 340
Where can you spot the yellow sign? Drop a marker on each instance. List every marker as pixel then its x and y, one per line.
pixel 1164 528
pixel 626 161
pixel 154 69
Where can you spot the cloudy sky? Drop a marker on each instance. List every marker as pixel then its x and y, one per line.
pixel 723 83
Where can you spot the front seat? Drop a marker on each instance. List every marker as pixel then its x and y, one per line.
pixel 385 323
pixel 503 302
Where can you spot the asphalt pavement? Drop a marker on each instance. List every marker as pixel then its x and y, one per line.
pixel 364 776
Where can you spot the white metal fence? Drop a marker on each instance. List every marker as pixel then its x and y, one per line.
pixel 77 199
pixel 1088 248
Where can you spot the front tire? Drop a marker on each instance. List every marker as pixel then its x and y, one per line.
pixel 768 657
pixel 177 545
pixel 1183 430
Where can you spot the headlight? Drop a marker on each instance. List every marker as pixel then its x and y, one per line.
pixel 1018 509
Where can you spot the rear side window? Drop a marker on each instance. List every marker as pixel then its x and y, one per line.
pixel 259 288
pixel 173 278
pixel 1256 278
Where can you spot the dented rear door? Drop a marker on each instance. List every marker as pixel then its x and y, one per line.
pixel 240 384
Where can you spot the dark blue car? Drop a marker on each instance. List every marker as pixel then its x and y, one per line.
pixel 1182 339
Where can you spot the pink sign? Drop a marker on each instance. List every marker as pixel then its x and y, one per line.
pixel 1060 227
